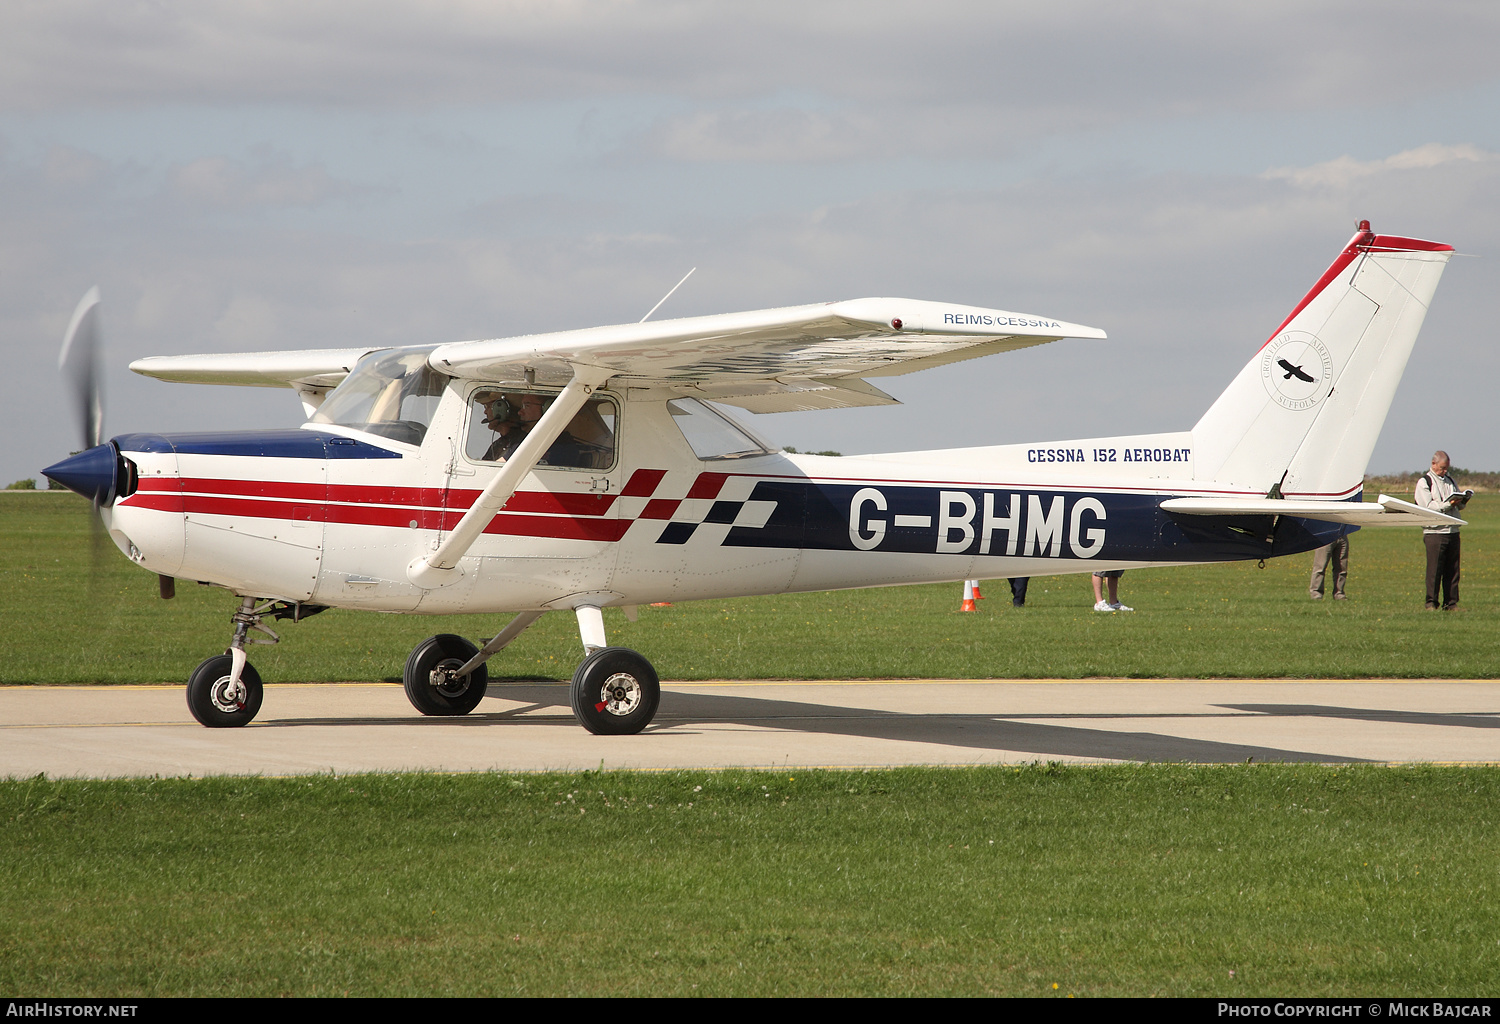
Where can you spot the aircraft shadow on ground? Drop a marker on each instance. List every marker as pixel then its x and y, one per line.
pixel 682 711
pixel 1467 721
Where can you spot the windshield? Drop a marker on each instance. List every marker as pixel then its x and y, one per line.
pixel 392 393
pixel 712 434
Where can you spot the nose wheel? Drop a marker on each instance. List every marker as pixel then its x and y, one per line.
pixel 615 692
pixel 219 701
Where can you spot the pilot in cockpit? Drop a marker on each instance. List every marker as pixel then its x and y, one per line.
pixel 588 441
pixel 511 416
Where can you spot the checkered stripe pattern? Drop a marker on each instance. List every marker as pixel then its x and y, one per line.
pixel 713 505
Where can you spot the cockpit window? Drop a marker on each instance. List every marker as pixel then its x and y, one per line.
pixel 500 420
pixel 712 434
pixel 392 393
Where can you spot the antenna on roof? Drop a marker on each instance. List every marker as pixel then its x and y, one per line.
pixel 667 296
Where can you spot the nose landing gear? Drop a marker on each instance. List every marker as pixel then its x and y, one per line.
pixel 225 691
pixel 219 700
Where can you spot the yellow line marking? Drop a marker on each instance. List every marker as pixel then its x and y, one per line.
pixel 1299 681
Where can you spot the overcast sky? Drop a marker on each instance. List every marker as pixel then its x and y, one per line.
pixel 266 175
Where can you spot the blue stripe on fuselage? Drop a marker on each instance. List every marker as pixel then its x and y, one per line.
pixel 1018 522
pixel 275 444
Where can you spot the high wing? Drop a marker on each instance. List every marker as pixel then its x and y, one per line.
pixel 318 368
pixel 312 373
pixel 773 360
pixel 1387 511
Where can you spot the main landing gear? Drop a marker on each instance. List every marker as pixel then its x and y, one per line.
pixel 615 692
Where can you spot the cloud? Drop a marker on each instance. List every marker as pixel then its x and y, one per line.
pixel 1029 67
pixel 1344 171
pixel 1188 273
pixel 220 181
pixel 764 136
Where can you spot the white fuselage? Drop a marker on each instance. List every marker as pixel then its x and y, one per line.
pixel 330 516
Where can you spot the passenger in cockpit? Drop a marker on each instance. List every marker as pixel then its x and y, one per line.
pixel 511 416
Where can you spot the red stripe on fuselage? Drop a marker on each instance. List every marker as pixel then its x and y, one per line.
pixel 425 519
pixel 643 483
pixel 543 502
pixel 660 508
pixel 708 485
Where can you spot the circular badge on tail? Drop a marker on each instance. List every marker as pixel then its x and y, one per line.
pixel 1297 370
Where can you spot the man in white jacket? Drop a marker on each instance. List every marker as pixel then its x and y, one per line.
pixel 1436 490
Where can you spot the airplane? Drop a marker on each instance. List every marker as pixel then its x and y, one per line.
pixel 597 468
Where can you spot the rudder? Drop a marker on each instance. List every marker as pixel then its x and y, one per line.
pixel 1304 414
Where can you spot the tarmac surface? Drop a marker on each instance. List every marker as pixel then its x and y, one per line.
pixel 105 731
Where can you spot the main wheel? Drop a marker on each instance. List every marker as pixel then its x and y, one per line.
pixel 615 692
pixel 432 690
pixel 214 703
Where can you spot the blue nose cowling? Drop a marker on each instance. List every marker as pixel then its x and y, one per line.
pixel 92 473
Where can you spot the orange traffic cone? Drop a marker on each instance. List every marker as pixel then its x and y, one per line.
pixel 977 595
pixel 968 605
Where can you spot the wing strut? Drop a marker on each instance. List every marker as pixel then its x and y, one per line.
pixel 436 569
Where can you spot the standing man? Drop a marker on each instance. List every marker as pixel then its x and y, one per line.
pixel 1113 604
pixel 1018 590
pixel 1436 490
pixel 1332 558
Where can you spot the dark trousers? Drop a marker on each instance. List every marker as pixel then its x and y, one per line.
pixel 1018 590
pixel 1442 568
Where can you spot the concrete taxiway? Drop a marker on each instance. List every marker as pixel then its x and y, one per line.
pixel 109 731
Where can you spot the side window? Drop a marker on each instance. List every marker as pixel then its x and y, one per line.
pixel 713 435
pixel 500 420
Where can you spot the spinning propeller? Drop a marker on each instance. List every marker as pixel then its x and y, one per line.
pixel 98 472
pixel 93 472
pixel 79 362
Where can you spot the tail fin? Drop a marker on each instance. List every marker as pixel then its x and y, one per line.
pixel 1303 415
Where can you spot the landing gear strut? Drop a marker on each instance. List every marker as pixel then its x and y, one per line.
pixel 224 691
pixel 433 684
pixel 445 674
pixel 220 701
pixel 615 691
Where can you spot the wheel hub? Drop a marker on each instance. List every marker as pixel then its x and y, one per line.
pixel 445 682
pixel 228 699
pixel 621 694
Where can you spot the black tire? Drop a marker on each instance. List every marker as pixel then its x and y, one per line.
pixel 456 697
pixel 207 698
pixel 615 692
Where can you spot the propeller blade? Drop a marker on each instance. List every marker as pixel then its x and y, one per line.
pixel 79 362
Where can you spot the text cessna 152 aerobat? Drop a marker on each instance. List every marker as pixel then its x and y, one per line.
pixel 586 469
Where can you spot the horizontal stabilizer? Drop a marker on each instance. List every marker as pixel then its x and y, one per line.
pixel 1387 511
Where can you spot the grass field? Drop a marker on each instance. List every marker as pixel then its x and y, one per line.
pixel 64 625
pixel 1041 880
